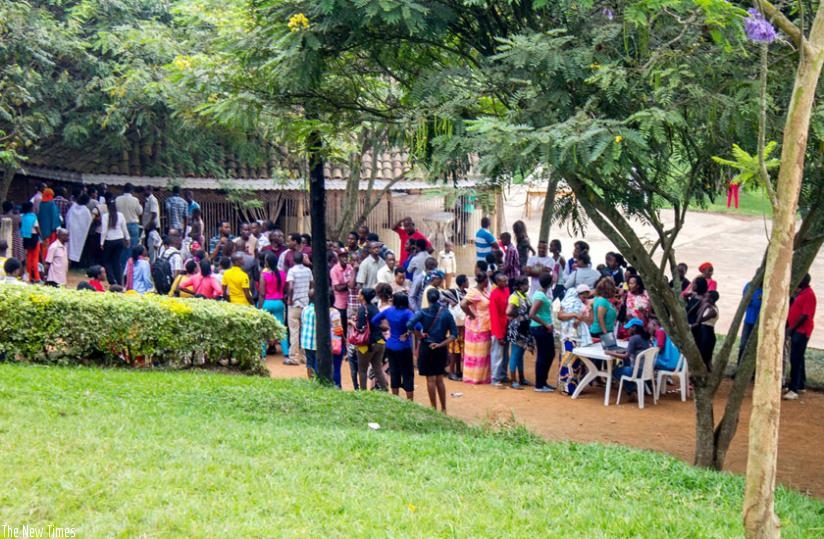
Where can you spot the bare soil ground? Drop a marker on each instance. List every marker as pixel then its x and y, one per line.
pixel 668 426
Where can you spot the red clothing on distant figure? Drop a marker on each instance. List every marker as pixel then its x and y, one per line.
pixel 405 237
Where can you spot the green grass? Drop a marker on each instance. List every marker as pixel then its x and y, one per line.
pixel 159 454
pixel 751 202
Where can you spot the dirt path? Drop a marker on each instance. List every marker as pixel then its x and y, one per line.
pixel 667 427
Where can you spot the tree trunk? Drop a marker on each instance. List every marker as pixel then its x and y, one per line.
pixel 317 198
pixel 704 426
pixel 546 212
pixel 5 182
pixel 760 519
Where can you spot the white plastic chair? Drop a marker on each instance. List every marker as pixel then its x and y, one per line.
pixel 682 372
pixel 645 363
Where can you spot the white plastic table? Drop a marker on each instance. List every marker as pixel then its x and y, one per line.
pixel 587 354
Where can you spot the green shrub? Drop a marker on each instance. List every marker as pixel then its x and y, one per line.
pixel 70 326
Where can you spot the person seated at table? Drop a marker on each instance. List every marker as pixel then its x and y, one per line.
pixel 639 341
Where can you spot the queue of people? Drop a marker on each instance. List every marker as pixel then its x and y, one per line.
pixel 389 312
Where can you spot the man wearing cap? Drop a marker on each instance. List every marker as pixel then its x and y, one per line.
pixel 433 281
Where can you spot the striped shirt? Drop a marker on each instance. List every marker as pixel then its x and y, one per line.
pixel 483 243
pixel 299 279
pixel 307 328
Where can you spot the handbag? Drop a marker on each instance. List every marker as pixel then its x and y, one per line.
pixel 360 337
pixel 458 314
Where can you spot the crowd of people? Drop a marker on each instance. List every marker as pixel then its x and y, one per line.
pixel 389 312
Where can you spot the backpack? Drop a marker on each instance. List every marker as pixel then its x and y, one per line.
pixel 162 274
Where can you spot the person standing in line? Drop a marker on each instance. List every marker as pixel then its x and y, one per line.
pixel 522 243
pixel 800 325
pixel 387 273
pixel 307 336
pixel 271 295
pixel 484 240
pixel 512 263
pixel 114 237
pixel 236 286
pixel 538 264
pixel 30 234
pixel 447 263
pixel 540 315
pixel 49 219
pixel 518 333
pixel 399 345
pixel 299 285
pixel 9 212
pixel 405 228
pixel 368 269
pixel 434 328
pixel 177 209
pixel 750 318
pixel 477 336
pixel 151 209
pixel 498 322
pixel 132 211
pixel 372 353
pixel 57 259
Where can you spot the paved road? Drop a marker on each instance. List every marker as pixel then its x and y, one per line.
pixel 734 245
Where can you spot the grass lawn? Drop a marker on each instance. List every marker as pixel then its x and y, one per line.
pixel 160 454
pixel 751 202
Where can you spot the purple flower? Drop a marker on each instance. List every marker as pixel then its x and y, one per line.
pixel 758 28
pixel 608 13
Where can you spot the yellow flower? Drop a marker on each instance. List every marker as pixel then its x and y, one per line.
pixel 182 62
pixel 411 507
pixel 298 22
pixel 595 66
pixel 618 139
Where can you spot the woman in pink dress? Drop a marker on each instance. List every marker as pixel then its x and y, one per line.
pixel 477 337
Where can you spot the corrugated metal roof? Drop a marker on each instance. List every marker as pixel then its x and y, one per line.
pixel 252 184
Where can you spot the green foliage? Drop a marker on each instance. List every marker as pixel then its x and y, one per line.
pixel 748 165
pixel 173 454
pixel 70 326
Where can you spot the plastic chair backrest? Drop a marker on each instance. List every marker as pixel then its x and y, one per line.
pixel 646 361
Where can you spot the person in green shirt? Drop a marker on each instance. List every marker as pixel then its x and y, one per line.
pixel 540 325
pixel 603 312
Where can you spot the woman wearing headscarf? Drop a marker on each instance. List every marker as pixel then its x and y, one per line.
pixel 49 218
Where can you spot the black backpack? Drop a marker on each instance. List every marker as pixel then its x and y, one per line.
pixel 162 274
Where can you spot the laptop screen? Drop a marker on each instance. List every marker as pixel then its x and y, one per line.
pixel 608 340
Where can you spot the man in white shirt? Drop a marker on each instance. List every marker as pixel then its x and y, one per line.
pixel 387 273
pixel 538 264
pixel 171 252
pixel 151 209
pixel 130 207
pixel 299 283
pixel 57 259
pixel 368 270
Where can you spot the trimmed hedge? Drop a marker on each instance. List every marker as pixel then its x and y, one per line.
pixel 69 326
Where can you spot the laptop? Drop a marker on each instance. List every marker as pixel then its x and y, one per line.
pixel 608 343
